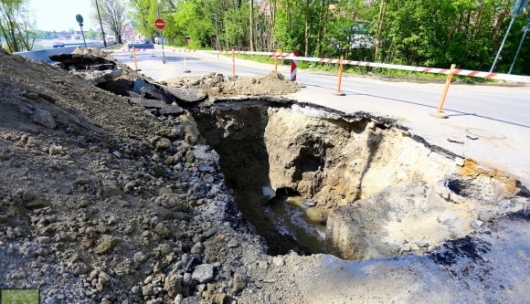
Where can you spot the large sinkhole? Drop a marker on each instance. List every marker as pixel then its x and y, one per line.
pixel 317 182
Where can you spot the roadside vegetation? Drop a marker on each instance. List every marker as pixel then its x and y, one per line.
pixel 16 26
pixel 434 33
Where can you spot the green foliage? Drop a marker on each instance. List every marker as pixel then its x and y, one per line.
pixel 45 35
pixel 91 34
pixel 144 14
pixel 236 27
pixel 411 32
pixel 15 25
pixel 440 32
pixel 192 20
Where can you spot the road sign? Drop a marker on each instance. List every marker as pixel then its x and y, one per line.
pixel 160 24
pixel 79 19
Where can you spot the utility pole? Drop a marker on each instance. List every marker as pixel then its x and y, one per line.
pixel 101 25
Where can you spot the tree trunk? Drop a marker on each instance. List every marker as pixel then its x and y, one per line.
pixel 273 24
pixel 251 2
pixel 322 25
pixel 380 22
pixel 306 31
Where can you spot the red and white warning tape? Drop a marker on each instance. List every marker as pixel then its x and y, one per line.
pixel 183 50
pixel 138 50
pixel 461 72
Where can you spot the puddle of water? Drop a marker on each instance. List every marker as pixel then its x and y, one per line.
pixel 290 217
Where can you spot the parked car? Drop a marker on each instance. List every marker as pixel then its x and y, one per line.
pixel 58 44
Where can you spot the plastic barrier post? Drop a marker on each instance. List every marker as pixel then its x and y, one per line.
pixel 294 66
pixel 339 93
pixel 439 113
pixel 276 64
pixel 186 65
pixel 233 62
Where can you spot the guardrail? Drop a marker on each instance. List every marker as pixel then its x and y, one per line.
pixel 141 46
pixel 44 55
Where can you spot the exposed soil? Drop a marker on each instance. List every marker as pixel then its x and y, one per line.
pixel 103 201
pixel 111 192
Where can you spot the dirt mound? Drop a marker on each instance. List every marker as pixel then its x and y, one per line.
pixel 217 85
pixel 93 52
pixel 102 201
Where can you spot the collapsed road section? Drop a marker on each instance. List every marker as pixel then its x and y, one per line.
pixel 117 189
pixel 356 186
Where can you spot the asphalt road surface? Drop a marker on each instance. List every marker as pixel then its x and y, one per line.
pixel 510 104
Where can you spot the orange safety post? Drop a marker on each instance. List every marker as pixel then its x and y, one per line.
pixel 339 93
pixel 135 62
pixel 233 62
pixel 276 54
pixel 439 113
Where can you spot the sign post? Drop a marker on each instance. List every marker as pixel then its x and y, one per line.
pixel 79 19
pixel 160 24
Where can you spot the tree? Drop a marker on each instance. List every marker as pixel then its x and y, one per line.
pixel 441 32
pixel 144 15
pixel 91 34
pixel 413 32
pixel 15 25
pixel 114 16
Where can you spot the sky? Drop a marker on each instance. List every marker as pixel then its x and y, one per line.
pixel 59 15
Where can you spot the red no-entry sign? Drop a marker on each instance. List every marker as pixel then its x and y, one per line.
pixel 160 24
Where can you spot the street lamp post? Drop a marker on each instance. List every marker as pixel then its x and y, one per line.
pixel 502 45
pixel 525 30
pixel 517 8
pixel 101 25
